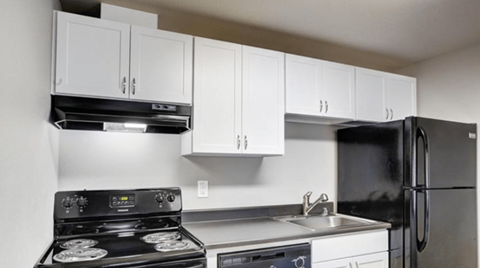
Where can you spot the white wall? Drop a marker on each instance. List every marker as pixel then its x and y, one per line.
pixel 448 87
pixel 28 144
pixel 96 160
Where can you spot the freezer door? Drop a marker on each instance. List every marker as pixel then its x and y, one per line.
pixel 441 230
pixel 439 154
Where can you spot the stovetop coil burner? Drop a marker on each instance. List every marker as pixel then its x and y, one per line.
pixel 156 238
pixel 80 254
pixel 171 246
pixel 78 243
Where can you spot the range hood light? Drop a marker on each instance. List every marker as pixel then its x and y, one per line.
pixel 135 125
pixel 124 127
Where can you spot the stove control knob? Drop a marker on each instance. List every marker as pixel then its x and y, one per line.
pixel 299 262
pixel 159 198
pixel 171 198
pixel 82 201
pixel 68 202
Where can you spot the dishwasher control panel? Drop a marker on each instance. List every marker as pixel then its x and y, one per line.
pixel 295 256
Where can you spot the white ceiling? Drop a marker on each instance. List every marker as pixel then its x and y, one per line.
pixel 413 30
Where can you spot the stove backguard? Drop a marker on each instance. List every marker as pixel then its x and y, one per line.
pixel 75 206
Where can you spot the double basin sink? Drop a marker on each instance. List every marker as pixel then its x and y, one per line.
pixel 327 222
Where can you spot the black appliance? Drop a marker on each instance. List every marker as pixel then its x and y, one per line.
pixel 295 256
pixel 419 175
pixel 97 114
pixel 121 228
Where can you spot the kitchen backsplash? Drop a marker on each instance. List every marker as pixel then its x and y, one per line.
pixel 96 160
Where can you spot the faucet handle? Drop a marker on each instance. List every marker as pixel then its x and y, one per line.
pixel 325 211
pixel 308 194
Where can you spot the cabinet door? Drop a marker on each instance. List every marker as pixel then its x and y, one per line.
pixel 401 96
pixel 341 263
pixel 161 66
pixel 217 98
pixel 303 85
pixel 263 122
pixel 378 260
pixel 338 90
pixel 370 95
pixel 92 56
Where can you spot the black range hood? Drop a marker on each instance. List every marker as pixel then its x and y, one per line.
pixel 117 115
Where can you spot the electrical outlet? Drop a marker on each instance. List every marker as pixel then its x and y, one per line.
pixel 202 188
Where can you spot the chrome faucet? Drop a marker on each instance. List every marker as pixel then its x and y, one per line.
pixel 307 206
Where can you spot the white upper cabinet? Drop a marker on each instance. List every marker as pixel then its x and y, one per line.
pixel 101 58
pixel 238 101
pixel 339 90
pixel 217 98
pixel 319 88
pixel 160 65
pixel 92 56
pixel 263 101
pixel 383 96
pixel 401 96
pixel 303 85
pixel 371 95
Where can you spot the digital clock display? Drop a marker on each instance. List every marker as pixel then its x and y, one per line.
pixel 122 200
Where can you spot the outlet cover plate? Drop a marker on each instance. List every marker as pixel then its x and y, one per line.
pixel 203 189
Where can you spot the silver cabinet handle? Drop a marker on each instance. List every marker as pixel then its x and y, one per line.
pixel 387 114
pixel 326 106
pixel 246 142
pixel 238 142
pixel 391 114
pixel 124 84
pixel 350 264
pixel 134 86
pixel 356 264
pixel 321 106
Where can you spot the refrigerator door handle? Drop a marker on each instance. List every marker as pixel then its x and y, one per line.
pixel 422 244
pixel 426 150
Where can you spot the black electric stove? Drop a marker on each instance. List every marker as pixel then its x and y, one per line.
pixel 121 228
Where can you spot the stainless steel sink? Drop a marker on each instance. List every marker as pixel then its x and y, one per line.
pixel 317 223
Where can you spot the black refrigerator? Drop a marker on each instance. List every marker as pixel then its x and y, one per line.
pixel 419 175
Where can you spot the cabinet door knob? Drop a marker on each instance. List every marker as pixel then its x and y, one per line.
pixel 387 114
pixel 246 142
pixel 391 114
pixel 134 85
pixel 124 84
pixel 321 106
pixel 326 106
